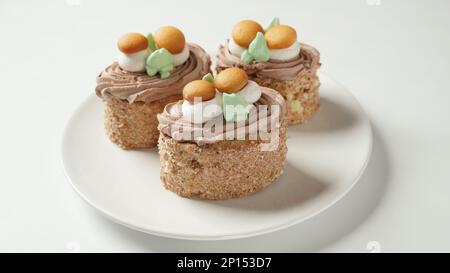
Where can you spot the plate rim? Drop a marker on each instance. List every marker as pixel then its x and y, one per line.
pixel 241 235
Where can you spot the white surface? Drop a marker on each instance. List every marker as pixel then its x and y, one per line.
pixel 394 57
pixel 125 185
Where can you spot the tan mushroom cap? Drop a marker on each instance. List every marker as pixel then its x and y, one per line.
pixel 231 80
pixel 199 88
pixel 170 38
pixel 132 42
pixel 279 37
pixel 245 31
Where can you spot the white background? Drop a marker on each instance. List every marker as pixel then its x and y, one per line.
pixel 393 55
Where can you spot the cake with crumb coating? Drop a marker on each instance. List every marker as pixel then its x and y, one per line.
pixel 149 73
pixel 225 139
pixel 273 57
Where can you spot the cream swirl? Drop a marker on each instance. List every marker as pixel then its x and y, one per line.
pixel 172 123
pixel 138 86
pixel 308 61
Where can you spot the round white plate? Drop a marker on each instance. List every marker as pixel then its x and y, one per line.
pixel 326 157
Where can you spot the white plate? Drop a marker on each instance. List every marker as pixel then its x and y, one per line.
pixel 326 157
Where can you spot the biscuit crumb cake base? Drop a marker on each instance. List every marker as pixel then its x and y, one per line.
pixel 301 95
pixel 222 170
pixel 134 125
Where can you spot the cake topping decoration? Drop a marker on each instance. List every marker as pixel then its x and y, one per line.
pixel 201 101
pixel 280 37
pixel 257 50
pixel 201 89
pixel 157 53
pixel 175 53
pixel 133 49
pixel 235 97
pixel 231 80
pixel 276 42
pixel 208 77
pixel 235 108
pixel 115 82
pixel 160 61
pixel 151 42
pixel 173 121
pixel 274 22
pixel 251 92
pixel 170 38
pixel 245 31
pixel 238 93
pixel 132 43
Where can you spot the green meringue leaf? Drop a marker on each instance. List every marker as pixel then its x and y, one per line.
pixel 234 107
pixel 209 78
pixel 246 57
pixel 160 61
pixel 258 48
pixel 151 42
pixel 274 22
pixel 164 74
pixel 151 71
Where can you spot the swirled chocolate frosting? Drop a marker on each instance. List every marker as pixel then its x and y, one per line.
pixel 171 122
pixel 138 86
pixel 308 61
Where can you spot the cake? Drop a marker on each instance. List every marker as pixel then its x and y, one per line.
pixel 274 58
pixel 150 72
pixel 225 139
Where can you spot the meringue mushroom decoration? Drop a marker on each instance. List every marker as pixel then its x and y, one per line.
pixel 158 53
pixel 252 43
pixel 134 51
pixel 231 93
pixel 201 101
pixel 239 93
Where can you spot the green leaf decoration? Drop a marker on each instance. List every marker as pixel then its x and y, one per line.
pixel 258 48
pixel 274 22
pixel 246 57
pixel 151 42
pixel 208 77
pixel 159 61
pixel 234 107
pixel 165 71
